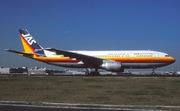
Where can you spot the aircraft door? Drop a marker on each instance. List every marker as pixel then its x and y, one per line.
pixel 131 56
pixel 156 56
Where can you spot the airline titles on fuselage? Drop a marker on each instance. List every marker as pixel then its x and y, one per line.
pixel 131 54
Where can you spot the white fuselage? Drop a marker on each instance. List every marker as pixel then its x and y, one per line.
pixel 128 58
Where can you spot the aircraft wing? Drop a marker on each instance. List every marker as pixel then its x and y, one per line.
pixel 84 58
pixel 18 52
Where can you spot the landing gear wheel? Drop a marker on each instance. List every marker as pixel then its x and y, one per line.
pixel 92 73
pixel 153 71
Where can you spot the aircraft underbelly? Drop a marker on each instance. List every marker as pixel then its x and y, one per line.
pixel 124 65
pixel 143 65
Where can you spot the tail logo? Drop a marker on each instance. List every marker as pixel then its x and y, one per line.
pixel 29 38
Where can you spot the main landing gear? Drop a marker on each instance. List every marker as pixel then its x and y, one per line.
pixel 89 72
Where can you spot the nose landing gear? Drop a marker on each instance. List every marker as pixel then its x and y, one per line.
pixel 153 71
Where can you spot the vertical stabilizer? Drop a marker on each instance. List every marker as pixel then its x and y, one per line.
pixel 29 43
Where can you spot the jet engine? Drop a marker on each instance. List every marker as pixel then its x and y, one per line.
pixel 112 66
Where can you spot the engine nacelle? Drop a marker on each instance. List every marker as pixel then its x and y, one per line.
pixel 112 66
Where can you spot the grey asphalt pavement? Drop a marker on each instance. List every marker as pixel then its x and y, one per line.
pixel 6 107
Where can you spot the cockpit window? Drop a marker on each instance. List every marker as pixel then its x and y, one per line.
pixel 167 55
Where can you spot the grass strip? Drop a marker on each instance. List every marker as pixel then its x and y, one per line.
pixel 91 90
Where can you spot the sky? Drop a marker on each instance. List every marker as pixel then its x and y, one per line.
pixel 90 25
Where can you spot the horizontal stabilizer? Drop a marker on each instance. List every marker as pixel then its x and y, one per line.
pixel 17 52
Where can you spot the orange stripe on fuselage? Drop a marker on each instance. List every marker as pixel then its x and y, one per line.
pixel 141 59
pixel 118 59
pixel 55 59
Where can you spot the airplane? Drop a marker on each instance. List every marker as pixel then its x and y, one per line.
pixel 114 61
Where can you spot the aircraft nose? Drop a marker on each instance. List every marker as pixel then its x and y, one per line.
pixel 173 59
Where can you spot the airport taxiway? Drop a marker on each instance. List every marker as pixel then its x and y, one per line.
pixel 7 107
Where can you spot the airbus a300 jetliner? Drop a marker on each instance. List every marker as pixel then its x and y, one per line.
pixel 115 61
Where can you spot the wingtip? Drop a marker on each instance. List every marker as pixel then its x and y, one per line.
pixel 6 49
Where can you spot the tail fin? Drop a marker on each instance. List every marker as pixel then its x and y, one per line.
pixel 29 43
